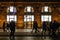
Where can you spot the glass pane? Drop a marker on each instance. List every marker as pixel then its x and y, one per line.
pixel 32 18
pixel 11 8
pixel 28 18
pixel 29 9
pixel 46 18
pixel 49 18
pixel 15 18
pixel 24 19
pixel 7 18
pixel 11 17
pixel 46 9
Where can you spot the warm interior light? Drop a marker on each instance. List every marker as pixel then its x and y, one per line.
pixel 46 9
pixel 28 18
pixel 46 18
pixel 11 17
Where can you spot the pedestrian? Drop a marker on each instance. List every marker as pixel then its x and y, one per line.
pixel 12 29
pixel 54 27
pixel 35 27
pixel 7 26
pixel 44 27
pixel 4 26
pixel 50 27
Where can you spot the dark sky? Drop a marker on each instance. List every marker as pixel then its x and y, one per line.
pixel 30 0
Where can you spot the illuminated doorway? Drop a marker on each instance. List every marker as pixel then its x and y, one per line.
pixel 28 21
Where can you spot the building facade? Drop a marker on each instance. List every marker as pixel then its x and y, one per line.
pixel 24 13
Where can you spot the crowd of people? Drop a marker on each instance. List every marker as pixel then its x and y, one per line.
pixel 10 26
pixel 52 27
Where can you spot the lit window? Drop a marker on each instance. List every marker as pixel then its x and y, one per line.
pixel 11 17
pixel 11 9
pixel 28 18
pixel 28 9
pixel 46 9
pixel 46 18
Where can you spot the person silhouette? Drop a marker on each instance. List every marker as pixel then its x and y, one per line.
pixel 4 26
pixel 44 27
pixel 50 27
pixel 35 26
pixel 7 26
pixel 54 27
pixel 12 29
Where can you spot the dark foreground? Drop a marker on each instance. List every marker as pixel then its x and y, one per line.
pixel 31 38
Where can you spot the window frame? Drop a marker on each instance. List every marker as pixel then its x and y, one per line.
pixel 43 9
pixel 30 18
pixel 9 10
pixel 49 17
pixel 31 9
pixel 9 18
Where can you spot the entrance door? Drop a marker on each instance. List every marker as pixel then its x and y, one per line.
pixel 28 21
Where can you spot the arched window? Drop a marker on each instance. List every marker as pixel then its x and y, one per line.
pixel 11 10
pixel 45 17
pixel 28 9
pixel 46 9
pixel 28 19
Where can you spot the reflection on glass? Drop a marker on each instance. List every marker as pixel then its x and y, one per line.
pixel 46 18
pixel 46 9
pixel 11 17
pixel 28 18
